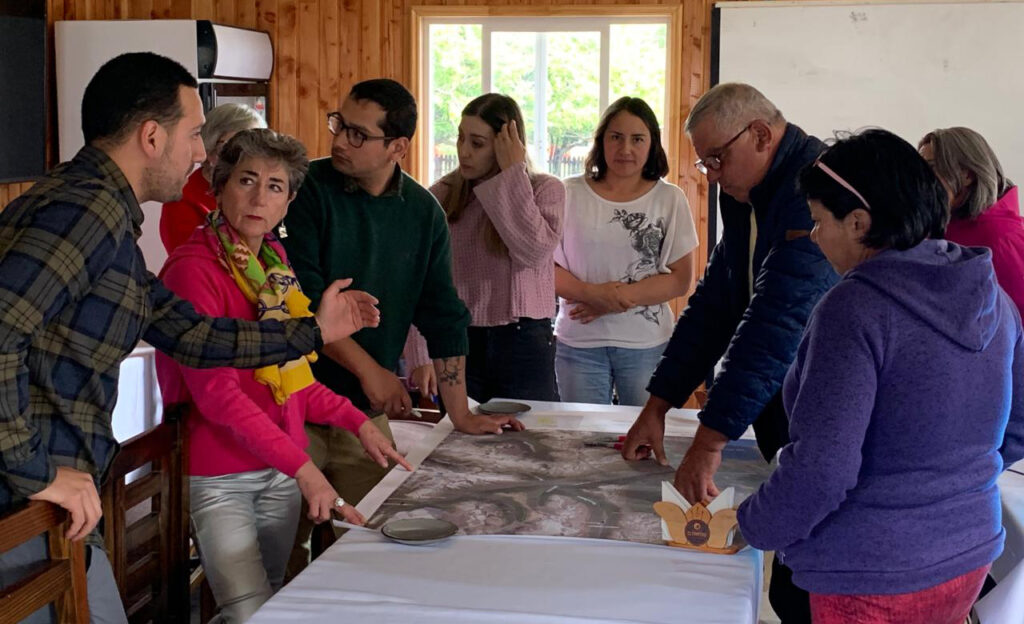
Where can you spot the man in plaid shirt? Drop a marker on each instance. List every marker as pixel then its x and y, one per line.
pixel 75 298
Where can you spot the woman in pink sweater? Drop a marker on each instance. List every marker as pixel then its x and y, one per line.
pixel 247 462
pixel 505 222
pixel 984 209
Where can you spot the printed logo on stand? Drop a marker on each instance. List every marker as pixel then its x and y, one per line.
pixel 697 532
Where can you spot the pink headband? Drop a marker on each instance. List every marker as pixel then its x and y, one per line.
pixel 843 183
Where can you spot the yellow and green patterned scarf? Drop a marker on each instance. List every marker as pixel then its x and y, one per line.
pixel 275 291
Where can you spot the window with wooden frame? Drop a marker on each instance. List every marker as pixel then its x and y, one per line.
pixel 563 68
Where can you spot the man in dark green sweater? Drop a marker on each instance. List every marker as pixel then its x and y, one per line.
pixel 359 215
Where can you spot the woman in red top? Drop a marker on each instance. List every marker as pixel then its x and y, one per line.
pixel 247 458
pixel 984 209
pixel 179 218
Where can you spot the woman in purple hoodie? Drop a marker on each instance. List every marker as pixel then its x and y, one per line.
pixel 906 400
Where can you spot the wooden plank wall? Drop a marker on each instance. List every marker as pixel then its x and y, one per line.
pixel 317 46
pixel 323 47
pixel 693 67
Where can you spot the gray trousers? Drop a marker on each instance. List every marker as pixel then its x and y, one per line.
pixel 244 525
pixel 104 600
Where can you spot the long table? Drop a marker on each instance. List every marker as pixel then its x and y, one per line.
pixel 521 579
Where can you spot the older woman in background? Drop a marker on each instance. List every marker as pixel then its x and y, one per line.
pixel 983 203
pixel 247 459
pixel 179 218
pixel 905 402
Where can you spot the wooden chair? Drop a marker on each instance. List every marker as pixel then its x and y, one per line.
pixel 146 531
pixel 60 580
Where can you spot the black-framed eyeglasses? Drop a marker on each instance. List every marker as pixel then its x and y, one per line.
pixel 714 161
pixel 356 137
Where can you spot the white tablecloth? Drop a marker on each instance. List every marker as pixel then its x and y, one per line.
pixel 519 579
pixel 1011 487
pixel 1005 603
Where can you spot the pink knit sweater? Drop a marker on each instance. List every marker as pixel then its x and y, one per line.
pixel 1001 229
pixel 499 289
pixel 234 424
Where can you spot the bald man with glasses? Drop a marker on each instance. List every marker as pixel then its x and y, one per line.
pixel 750 308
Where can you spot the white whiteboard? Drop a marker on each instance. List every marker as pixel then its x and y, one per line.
pixel 908 68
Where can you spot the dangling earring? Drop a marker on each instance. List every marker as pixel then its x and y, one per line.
pixel 282 231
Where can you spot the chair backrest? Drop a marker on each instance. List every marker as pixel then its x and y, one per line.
pixel 145 506
pixel 61 580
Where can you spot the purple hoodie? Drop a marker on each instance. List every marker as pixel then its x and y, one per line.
pixel 905 402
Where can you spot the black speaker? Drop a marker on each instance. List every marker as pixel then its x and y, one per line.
pixel 23 107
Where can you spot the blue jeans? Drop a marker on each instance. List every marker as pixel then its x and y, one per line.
pixel 104 599
pixel 589 375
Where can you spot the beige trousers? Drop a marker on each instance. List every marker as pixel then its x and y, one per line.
pixel 340 456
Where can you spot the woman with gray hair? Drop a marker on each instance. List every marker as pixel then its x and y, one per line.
pixel 248 465
pixel 179 218
pixel 984 209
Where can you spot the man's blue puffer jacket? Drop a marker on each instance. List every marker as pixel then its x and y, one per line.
pixel 757 336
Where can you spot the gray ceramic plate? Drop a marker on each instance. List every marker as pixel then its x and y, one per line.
pixel 503 407
pixel 418 531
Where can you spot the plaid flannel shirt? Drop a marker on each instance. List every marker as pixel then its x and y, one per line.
pixel 75 298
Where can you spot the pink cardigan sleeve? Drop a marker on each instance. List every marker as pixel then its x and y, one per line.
pixel 415 351
pixel 528 215
pixel 217 392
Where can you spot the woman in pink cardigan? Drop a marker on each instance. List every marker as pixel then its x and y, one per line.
pixel 984 209
pixel 247 463
pixel 505 222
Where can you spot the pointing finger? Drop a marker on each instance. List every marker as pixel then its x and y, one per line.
pixel 397 457
pixel 377 455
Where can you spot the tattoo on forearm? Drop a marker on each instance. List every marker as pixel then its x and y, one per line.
pixel 451 373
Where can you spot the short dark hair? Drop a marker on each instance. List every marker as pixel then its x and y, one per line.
pixel 657 162
pixel 262 143
pixel 130 89
pixel 397 102
pixel 906 200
